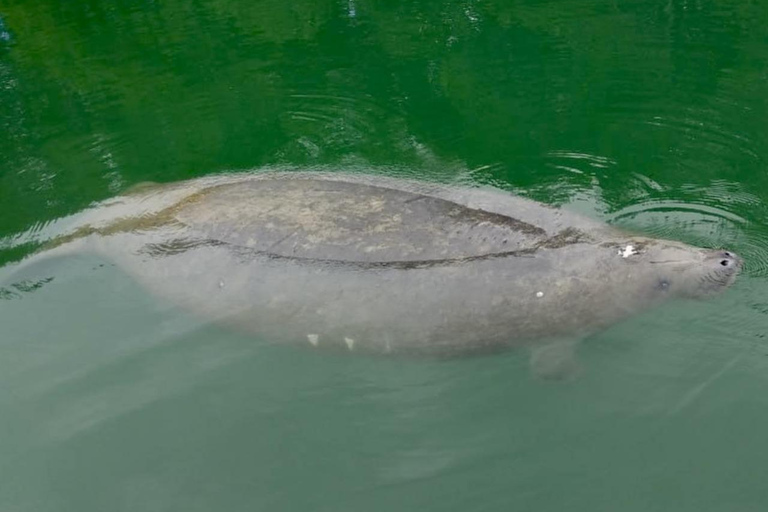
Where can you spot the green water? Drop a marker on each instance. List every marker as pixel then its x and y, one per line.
pixel 650 115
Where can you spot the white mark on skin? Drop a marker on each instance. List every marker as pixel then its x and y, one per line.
pixel 539 294
pixel 221 284
pixel 313 339
pixel 350 342
pixel 628 251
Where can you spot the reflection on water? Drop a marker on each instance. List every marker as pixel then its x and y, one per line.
pixel 648 115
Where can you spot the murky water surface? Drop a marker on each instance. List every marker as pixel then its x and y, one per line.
pixel 650 115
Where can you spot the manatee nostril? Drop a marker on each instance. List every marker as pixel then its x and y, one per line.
pixel 727 254
pixel 724 263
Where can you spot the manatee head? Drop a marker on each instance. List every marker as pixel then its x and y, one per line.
pixel 679 270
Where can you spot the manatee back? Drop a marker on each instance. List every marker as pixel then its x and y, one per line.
pixel 348 221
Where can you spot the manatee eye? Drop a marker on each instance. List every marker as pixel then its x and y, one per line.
pixel 663 284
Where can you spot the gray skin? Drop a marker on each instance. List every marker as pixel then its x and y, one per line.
pixel 384 265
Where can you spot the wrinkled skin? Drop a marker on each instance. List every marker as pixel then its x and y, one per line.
pixel 386 265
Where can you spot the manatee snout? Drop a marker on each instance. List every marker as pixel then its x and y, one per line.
pixel 686 271
pixel 722 268
pixel 725 261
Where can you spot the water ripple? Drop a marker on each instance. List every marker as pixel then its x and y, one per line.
pixel 325 121
pixel 578 162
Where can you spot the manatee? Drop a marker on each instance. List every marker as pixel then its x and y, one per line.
pixel 386 265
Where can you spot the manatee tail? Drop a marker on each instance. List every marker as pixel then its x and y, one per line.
pixel 36 270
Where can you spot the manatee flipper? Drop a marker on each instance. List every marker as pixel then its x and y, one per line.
pixel 555 360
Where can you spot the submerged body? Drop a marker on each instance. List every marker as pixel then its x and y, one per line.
pixel 386 265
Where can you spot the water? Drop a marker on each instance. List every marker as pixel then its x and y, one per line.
pixel 649 115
